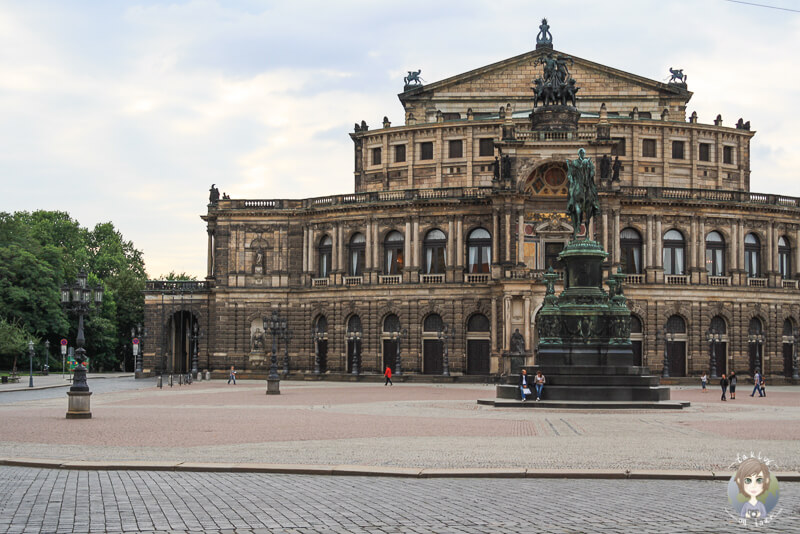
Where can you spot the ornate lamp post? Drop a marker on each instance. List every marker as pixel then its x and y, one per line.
pixel 665 365
pixel 137 335
pixel 397 336
pixel 195 335
pixel 713 337
pixel 795 339
pixel 77 298
pixel 316 337
pixel 46 364
pixel 275 324
pixel 758 339
pixel 30 357
pixel 445 334
pixel 287 338
pixel 355 337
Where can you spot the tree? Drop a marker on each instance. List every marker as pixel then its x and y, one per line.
pixel 173 277
pixel 13 341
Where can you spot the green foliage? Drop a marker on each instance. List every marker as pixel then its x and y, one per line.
pixel 42 250
pixel 173 276
pixel 13 342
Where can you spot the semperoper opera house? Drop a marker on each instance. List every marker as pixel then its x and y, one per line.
pixel 434 264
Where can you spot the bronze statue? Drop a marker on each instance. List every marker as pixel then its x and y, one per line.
pixel 583 202
pixel 677 76
pixel 213 195
pixel 544 36
pixel 556 86
pixel 413 78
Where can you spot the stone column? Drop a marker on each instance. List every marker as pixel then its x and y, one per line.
pixel 521 237
pixel 496 238
pixel 615 238
pixel 507 256
pixel 407 246
pixel 451 248
pixel 459 242
pixel 604 216
pixel 340 249
pixel 659 239
pixel 210 260
pixel 701 252
pixel 305 249
pixel 527 328
pixel 276 250
pixel 376 247
pixel 649 243
pixel 772 250
pixel 692 263
pixel 312 239
pixel 415 232
pixel 368 246
pixel 740 247
pixel 506 323
pixel 493 319
pixel 334 249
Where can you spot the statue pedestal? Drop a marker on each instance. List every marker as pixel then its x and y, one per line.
pixel 555 119
pixel 78 407
pixel 273 386
pixel 514 362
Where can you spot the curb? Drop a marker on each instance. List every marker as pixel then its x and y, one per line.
pixel 16 389
pixel 380 471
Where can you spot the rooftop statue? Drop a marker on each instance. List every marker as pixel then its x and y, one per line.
pixel 583 203
pixel 413 78
pixel 544 37
pixel 677 76
pixel 213 194
pixel 556 86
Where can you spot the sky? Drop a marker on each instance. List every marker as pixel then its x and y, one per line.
pixel 128 111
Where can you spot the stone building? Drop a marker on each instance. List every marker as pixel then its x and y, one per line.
pixel 458 212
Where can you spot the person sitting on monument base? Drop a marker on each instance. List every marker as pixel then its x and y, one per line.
pixel 539 383
pixel 524 385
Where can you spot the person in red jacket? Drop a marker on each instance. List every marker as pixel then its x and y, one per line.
pixel 388 374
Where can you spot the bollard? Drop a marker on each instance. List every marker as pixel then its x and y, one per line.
pixel 170 380
pixel 159 382
pixel 208 375
pixel 180 380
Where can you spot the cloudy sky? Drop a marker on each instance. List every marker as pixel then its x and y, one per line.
pixel 128 111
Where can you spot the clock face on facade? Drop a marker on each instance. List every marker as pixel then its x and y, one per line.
pixel 549 179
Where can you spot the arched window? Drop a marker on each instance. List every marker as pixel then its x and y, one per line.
pixel 391 323
pixel 788 328
pixel 355 267
pixel 325 254
pixel 676 325
pixel 673 252
pixel 478 323
pixel 479 251
pixel 354 324
pixel 752 255
pixel 715 254
pixel 784 257
pixel 433 250
pixel 393 247
pixel 719 325
pixel 433 323
pixel 630 244
pixel 322 325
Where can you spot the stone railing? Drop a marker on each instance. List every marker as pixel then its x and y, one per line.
pixel 177 286
pixel 710 194
pixel 676 279
pixel 482 278
pixel 633 279
pixel 320 282
pixel 389 279
pixel 719 280
pixel 353 280
pixel 757 282
pixel 789 284
pixel 431 278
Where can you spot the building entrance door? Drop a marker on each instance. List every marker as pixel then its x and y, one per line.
pixel 432 363
pixel 389 355
pixel 677 358
pixel 720 357
pixel 323 355
pixel 787 359
pixel 477 357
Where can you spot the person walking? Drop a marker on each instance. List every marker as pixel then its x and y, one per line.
pixel 388 374
pixel 524 386
pixel 539 383
pixel 732 380
pixel 704 382
pixel 763 384
pixel 757 381
pixel 723 383
pixel 232 376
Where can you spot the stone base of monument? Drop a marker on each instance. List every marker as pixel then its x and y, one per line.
pixel 79 406
pixel 555 119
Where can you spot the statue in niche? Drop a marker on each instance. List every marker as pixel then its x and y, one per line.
pixel 615 170
pixel 258 261
pixel 517 343
pixel 506 167
pixel 605 167
pixel 496 168
pixel 257 340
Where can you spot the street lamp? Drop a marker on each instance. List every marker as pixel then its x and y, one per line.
pixel 713 337
pixel 63 357
pixel 355 337
pixel 317 335
pixel 77 298
pixel 758 339
pixel 46 364
pixel 445 334
pixel 30 356
pixel 139 334
pixel 665 365
pixel 287 338
pixel 195 335
pixel 397 336
pixel 275 324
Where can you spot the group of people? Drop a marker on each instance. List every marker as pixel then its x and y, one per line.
pixel 730 382
pixel 525 388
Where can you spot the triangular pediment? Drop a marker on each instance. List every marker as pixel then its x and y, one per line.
pixel 510 81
